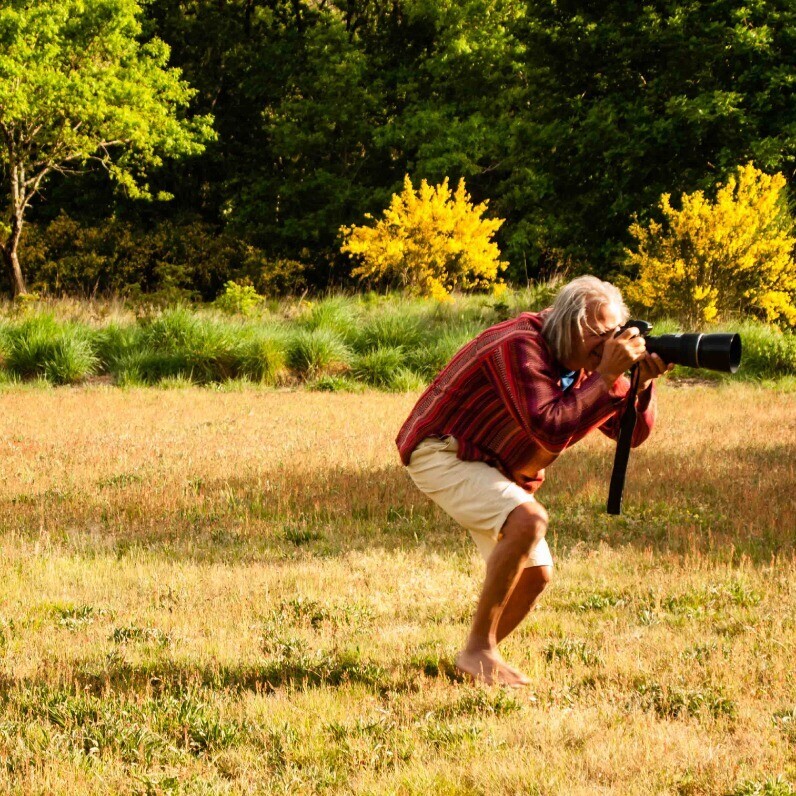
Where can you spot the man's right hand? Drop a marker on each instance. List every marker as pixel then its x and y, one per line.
pixel 619 353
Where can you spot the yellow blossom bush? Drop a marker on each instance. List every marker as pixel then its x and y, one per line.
pixel 430 241
pixel 733 255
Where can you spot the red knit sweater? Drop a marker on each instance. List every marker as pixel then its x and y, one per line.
pixel 501 398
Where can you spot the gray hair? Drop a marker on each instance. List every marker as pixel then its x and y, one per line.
pixel 568 315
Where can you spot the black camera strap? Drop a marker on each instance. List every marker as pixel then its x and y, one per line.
pixel 627 425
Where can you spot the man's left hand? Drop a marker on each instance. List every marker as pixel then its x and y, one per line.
pixel 651 367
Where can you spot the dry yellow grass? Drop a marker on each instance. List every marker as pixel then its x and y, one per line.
pixel 236 592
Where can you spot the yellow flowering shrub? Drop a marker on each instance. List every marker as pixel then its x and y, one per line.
pixel 731 255
pixel 429 241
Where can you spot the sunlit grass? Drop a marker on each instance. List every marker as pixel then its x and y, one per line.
pixel 239 590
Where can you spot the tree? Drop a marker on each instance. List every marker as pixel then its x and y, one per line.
pixel 733 254
pixel 79 86
pixel 627 101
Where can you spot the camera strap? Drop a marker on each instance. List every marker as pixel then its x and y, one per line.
pixel 627 424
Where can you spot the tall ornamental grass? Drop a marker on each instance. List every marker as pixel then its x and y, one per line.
pixel 338 343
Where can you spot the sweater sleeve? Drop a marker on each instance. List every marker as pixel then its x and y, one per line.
pixel 646 408
pixel 528 384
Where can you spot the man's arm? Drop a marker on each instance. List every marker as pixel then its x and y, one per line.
pixel 529 385
pixel 647 410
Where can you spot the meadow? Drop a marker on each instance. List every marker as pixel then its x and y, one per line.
pixel 237 590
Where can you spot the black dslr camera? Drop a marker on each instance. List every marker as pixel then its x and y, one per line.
pixel 692 349
pixel 711 351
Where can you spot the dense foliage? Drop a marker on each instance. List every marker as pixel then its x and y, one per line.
pixel 570 117
pixel 79 86
pixel 733 255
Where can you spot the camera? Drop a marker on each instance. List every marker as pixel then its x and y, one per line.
pixel 720 352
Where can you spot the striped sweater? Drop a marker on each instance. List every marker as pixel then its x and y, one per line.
pixel 501 398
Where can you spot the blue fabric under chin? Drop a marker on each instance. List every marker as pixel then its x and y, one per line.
pixel 567 379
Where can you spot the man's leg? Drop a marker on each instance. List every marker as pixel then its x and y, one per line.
pixel 525 526
pixel 531 584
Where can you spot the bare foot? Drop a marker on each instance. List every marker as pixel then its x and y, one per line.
pixel 488 667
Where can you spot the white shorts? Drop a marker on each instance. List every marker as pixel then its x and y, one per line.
pixel 479 497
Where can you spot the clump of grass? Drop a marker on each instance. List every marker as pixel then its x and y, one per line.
pixel 391 329
pixel 406 380
pixel 41 347
pixel 379 366
pixel 313 353
pixel 337 314
pixel 263 356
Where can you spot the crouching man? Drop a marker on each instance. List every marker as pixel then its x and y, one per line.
pixel 509 402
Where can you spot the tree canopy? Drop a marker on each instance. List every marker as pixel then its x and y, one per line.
pixel 78 85
pixel 571 118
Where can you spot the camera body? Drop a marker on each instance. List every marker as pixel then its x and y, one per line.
pixel 721 352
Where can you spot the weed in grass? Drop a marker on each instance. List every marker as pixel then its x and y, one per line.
pixel 444 734
pixel 332 383
pixel 132 633
pixel 777 786
pixel 300 534
pixel 475 701
pixel 785 721
pixel 303 612
pixel 699 653
pixel 75 616
pixel 672 702
pixel 323 668
pixel 602 600
pixel 570 650
pixel 193 724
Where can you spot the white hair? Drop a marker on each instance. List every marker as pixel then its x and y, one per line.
pixel 568 315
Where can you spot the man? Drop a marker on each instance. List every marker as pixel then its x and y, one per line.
pixel 480 437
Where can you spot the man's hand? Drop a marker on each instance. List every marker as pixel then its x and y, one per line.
pixel 619 353
pixel 649 368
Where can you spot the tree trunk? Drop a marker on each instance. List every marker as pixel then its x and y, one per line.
pixel 11 248
pixel 11 260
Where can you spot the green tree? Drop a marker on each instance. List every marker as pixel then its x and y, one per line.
pixel 627 101
pixel 78 85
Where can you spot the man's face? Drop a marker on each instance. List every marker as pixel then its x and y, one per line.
pixel 602 321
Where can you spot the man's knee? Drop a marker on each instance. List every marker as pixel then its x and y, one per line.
pixel 527 524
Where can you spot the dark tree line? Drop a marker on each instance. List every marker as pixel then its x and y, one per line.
pixel 570 117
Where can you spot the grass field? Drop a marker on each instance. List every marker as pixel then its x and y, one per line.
pixel 241 592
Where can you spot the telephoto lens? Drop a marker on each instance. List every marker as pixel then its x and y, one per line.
pixel 720 352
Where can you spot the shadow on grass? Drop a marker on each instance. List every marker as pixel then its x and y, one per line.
pixel 321 669
pixel 684 503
